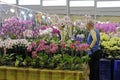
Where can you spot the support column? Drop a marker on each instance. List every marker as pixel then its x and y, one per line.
pixel 41 5
pixel 17 2
pixel 95 8
pixel 17 8
pixel 68 7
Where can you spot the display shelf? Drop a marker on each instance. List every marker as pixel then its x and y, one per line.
pixel 14 73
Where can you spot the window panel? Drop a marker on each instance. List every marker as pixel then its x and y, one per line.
pixel 8 1
pixel 81 3
pixel 54 3
pixel 29 2
pixel 108 4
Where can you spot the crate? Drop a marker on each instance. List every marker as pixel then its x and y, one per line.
pixel 105 69
pixel 116 71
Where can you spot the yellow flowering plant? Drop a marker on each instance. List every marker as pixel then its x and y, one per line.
pixel 110 46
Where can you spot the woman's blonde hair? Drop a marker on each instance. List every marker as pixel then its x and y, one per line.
pixel 90 23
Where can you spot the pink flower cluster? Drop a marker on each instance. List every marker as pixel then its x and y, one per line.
pixel 79 24
pixel 63 45
pixel 53 47
pixel 41 46
pixel 14 26
pixel 55 18
pixel 79 46
pixel 64 21
pixel 48 30
pixel 31 47
pixel 34 54
pixel 106 27
pixel 34 48
pixel 72 46
pixel 82 47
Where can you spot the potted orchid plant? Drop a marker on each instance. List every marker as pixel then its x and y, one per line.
pixel 62 55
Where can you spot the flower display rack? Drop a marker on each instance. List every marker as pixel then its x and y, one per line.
pixel 14 73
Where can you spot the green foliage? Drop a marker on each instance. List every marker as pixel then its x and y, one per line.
pixel 56 61
pixel 85 58
pixel 7 59
pixel 19 61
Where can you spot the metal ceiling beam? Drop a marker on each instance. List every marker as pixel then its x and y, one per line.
pixel 84 12
pixel 81 0
pixel 54 7
pixel 82 8
pixel 108 0
pixel 109 9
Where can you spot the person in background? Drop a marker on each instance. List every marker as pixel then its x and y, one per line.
pixel 94 50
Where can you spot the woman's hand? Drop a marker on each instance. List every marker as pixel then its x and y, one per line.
pixel 87 49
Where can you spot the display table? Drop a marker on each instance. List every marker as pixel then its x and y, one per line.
pixel 14 73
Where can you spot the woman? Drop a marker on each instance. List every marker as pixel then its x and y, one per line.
pixel 93 51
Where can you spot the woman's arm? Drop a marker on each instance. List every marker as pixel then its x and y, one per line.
pixel 93 34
